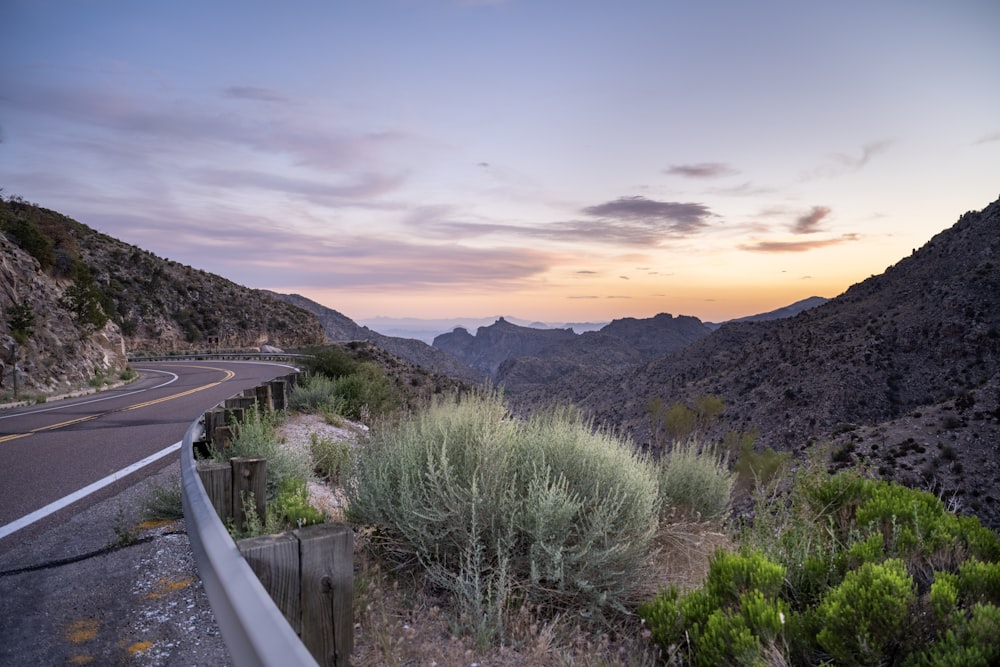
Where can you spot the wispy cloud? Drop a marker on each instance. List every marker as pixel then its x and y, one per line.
pixel 839 164
pixel 810 222
pixel 664 216
pixel 987 139
pixel 626 221
pixel 796 246
pixel 701 170
pixel 254 93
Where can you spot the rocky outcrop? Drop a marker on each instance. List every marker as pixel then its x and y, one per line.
pixel 54 354
pixel 91 298
pixel 500 341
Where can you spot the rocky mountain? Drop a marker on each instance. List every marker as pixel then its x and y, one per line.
pixel 340 328
pixel 517 356
pixel 79 286
pixel 903 365
pixel 790 310
pixel 493 344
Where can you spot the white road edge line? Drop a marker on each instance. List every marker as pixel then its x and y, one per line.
pixel 65 501
pixel 98 400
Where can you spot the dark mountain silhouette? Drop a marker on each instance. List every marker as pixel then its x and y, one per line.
pixel 501 340
pixel 790 310
pixel 921 339
pixel 617 346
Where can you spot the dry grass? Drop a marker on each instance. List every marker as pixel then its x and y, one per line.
pixel 401 621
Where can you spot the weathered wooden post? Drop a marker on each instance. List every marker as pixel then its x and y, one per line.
pixel 326 555
pixel 217 477
pixel 249 477
pixel 263 398
pixel 279 399
pixel 275 561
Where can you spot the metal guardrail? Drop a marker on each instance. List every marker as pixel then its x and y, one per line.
pixel 195 356
pixel 254 629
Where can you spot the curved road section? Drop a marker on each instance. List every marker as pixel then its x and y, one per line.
pixel 59 458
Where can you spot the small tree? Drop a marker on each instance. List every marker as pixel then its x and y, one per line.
pixel 21 321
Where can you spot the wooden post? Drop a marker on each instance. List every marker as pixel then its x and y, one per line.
pixel 275 561
pixel 263 397
pixel 218 480
pixel 223 438
pixel 241 402
pixel 327 560
pixel 214 419
pixel 279 398
pixel 249 477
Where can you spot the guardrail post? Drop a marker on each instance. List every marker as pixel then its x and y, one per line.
pixel 263 396
pixel 275 561
pixel 279 399
pixel 249 480
pixel 326 554
pixel 217 478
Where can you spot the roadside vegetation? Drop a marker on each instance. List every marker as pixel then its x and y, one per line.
pixel 483 537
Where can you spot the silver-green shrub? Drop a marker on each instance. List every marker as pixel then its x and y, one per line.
pixel 313 393
pixel 696 481
pixel 256 437
pixel 566 513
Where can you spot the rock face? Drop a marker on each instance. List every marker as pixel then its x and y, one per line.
pixel 500 341
pixel 55 355
pixel 518 357
pixel 93 298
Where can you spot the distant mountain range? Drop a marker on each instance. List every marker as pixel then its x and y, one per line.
pixel 427 329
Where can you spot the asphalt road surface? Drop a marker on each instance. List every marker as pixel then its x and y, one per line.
pixel 72 474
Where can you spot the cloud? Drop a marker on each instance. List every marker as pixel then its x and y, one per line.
pixel 839 164
pixel 809 223
pixel 253 93
pixel 628 221
pixel 701 170
pixel 987 139
pixel 355 187
pixel 796 246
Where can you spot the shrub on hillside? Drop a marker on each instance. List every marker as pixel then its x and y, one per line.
pixel 872 573
pixel 546 510
pixel 256 437
pixel 695 481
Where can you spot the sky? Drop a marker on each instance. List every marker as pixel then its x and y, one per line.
pixel 553 160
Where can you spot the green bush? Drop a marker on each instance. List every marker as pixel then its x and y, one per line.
pixel 291 505
pixel 332 361
pixel 736 618
pixel 256 437
pixel 864 618
pixel 862 572
pixel 696 480
pixel 313 393
pixel 330 457
pixel 566 514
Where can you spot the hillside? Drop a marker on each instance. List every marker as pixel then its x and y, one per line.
pixel 616 347
pixel 339 328
pixel 922 339
pixel 78 284
pixel 519 357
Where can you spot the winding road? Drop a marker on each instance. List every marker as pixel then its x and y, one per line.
pixel 60 458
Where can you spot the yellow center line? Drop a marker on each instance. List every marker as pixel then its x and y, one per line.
pixel 228 375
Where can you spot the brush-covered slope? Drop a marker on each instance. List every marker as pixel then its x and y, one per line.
pixel 922 338
pixel 157 305
pixel 339 328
